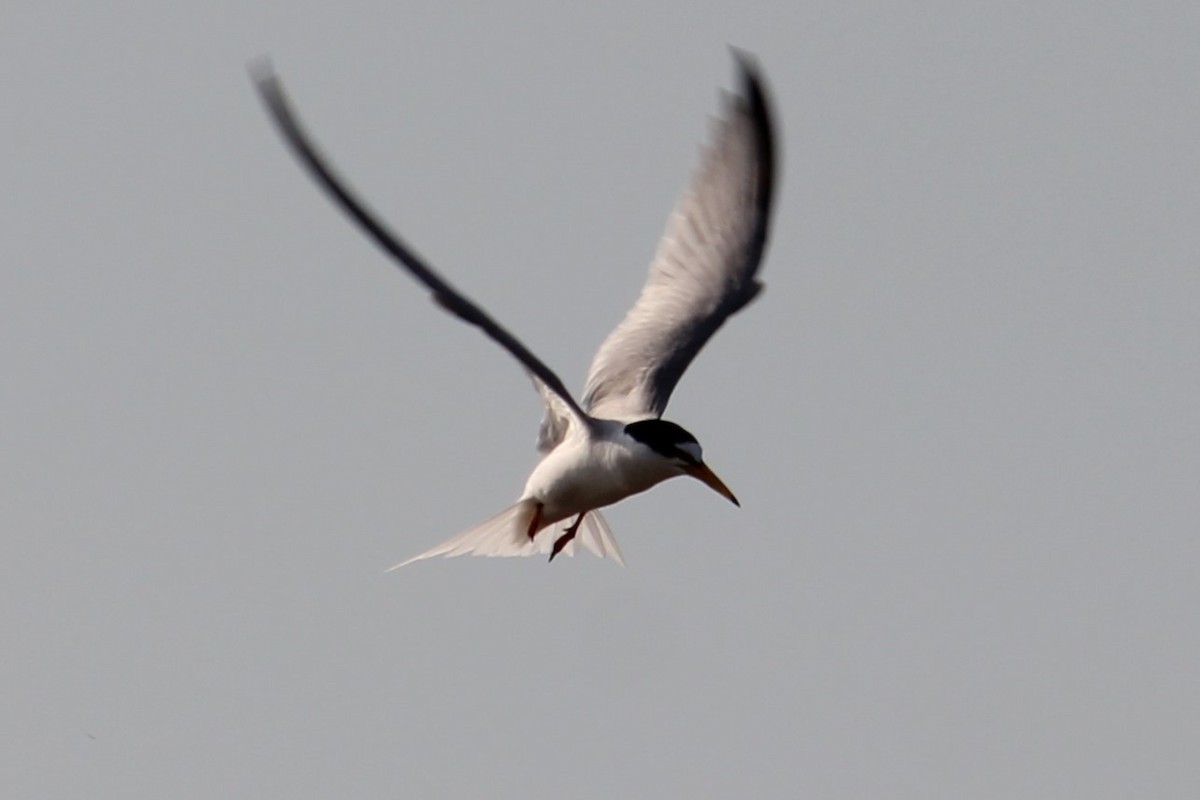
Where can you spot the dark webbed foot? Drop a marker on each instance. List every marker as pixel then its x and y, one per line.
pixel 567 536
pixel 535 524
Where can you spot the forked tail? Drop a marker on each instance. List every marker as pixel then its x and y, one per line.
pixel 507 534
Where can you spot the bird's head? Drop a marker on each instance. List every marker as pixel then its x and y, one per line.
pixel 681 449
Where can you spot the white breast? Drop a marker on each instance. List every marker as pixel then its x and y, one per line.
pixel 584 473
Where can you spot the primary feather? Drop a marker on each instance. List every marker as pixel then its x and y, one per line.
pixel 705 267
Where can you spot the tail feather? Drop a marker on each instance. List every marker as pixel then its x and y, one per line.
pixel 597 537
pixel 507 534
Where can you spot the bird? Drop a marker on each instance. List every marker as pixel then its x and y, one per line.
pixel 614 443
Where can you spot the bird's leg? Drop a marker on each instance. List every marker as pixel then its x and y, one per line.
pixel 567 536
pixel 535 524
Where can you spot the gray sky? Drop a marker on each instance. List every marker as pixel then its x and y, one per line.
pixel 962 419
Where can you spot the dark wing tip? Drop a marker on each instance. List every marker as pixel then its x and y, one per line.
pixel 261 69
pixel 753 83
pixel 747 61
pixel 267 83
pixel 758 105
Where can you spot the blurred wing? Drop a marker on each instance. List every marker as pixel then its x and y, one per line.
pixel 704 270
pixel 555 419
pixel 271 90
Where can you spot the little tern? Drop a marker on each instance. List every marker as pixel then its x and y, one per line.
pixel 615 443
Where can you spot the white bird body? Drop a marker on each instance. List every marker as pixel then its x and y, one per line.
pixel 615 443
pixel 586 472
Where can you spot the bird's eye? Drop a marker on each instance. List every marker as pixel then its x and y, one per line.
pixel 690 450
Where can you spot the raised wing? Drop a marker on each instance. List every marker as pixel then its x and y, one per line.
pixel 704 270
pixel 271 90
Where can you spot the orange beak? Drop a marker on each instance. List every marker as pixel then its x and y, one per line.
pixel 702 473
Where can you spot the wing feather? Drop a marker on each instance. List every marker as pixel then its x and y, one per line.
pixel 270 88
pixel 556 418
pixel 705 267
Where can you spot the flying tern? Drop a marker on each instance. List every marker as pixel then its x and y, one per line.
pixel 615 442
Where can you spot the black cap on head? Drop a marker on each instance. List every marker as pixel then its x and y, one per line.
pixel 665 438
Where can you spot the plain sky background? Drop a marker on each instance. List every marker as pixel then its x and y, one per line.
pixel 962 420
